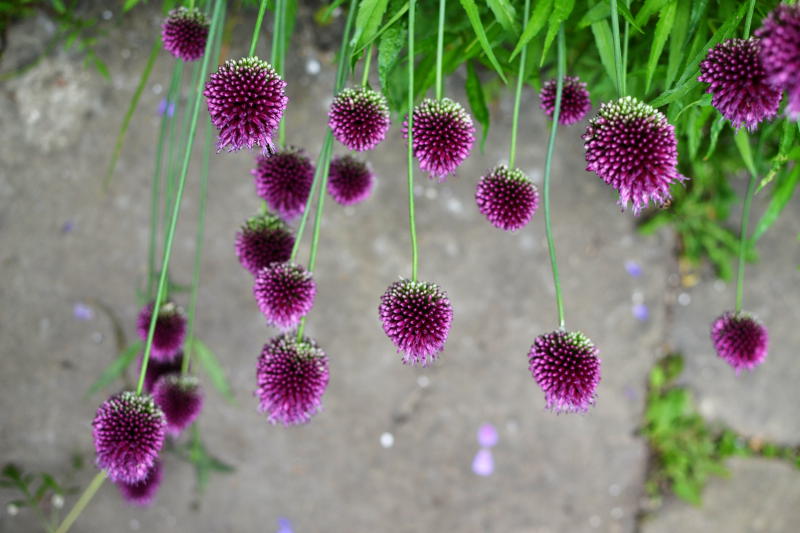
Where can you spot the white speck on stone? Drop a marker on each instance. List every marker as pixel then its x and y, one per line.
pixel 97 337
pixel 614 489
pixel 431 193
pixel 33 116
pixel 107 14
pixel 157 88
pixel 595 521
pixel 125 53
pixel 57 500
pixel 684 298
pixel 719 285
pixel 312 67
pixel 454 205
pixel 617 513
pixel 387 439
pixel 134 524
pixel 707 407
pixel 423 382
pixel 12 509
pixel 637 297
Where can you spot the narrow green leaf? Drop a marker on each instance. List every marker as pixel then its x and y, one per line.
pixel 474 18
pixel 129 4
pixel 677 40
pixel 742 141
pixel 605 47
pixel 116 368
pixel 477 101
pixel 716 129
pixel 622 7
pixel 101 67
pixel 212 367
pixel 665 21
pixel 535 24
pixel 783 192
pixel 561 12
pixel 505 14
pixel 596 13
pixel 650 8
pixel 780 159
pixel 389 48
pixel 59 6
pixel 368 20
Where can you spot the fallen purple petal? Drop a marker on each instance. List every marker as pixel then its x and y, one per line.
pixel 487 436
pixel 633 268
pixel 81 311
pixel 641 312
pixel 483 464
pixel 285 525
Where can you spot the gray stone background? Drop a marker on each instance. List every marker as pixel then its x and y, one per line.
pixel 65 242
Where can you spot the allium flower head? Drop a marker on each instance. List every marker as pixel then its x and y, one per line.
pixel 128 432
pixel 142 492
pixel 507 198
pixel 291 376
pixel 416 316
pixel 443 136
pixel 284 180
pixel 246 100
pixel 349 180
pixel 740 339
pixel 184 33
pixel 575 102
pixel 264 239
pixel 738 83
pixel 565 365
pixel 780 52
pixel 156 369
pixel 170 330
pixel 284 293
pixel 181 400
pixel 359 118
pixel 632 147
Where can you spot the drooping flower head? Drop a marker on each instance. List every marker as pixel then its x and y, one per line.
pixel 632 147
pixel 181 400
pixel 507 198
pixel 350 181
pixel 565 365
pixel 416 316
pixel 575 101
pixel 291 376
pixel 141 493
pixel 170 330
pixel 443 136
pixel 128 432
pixel 264 239
pixel 359 118
pixel 284 180
pixel 184 33
pixel 738 83
pixel 156 369
pixel 284 293
pixel 246 100
pixel 780 52
pixel 740 339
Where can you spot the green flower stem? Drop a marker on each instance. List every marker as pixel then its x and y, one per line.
pixel 439 50
pixel 512 154
pixel 276 34
pixel 743 240
pixel 281 60
pixel 155 191
pixel 412 225
pixel 327 145
pixel 162 282
pixel 749 20
pixel 367 60
pixel 172 141
pixel 617 49
pixel 82 502
pixel 547 167
pixel 257 29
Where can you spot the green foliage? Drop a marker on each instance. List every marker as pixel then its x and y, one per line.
pixel 194 452
pixel 39 492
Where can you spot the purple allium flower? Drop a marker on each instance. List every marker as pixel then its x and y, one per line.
pixel 284 180
pixel 443 136
pixel 738 83
pixel 128 432
pixel 740 339
pixel 156 369
pixel 142 492
pixel 263 240
pixel 359 118
pixel 566 367
pixel 291 376
pixel 416 316
pixel 632 147
pixel 284 293
pixel 184 33
pixel 575 101
pixel 181 400
pixel 170 330
pixel 246 100
pixel 507 198
pixel 350 180
pixel 780 52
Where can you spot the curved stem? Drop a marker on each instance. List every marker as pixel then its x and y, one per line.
pixel 743 240
pixel 282 62
pixel 162 282
pixel 749 19
pixel 547 167
pixel 276 34
pixel 326 147
pixel 257 29
pixel 82 502
pixel 367 60
pixel 412 226
pixel 512 154
pixel 439 49
pixel 617 49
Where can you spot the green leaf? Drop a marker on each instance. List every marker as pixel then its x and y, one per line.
pixel 626 13
pixel 742 141
pixel 780 198
pixel 212 367
pixel 561 12
pixel 605 47
pixel 780 159
pixel 129 4
pixel 389 48
pixel 101 67
pixel 477 26
pixel 677 40
pixel 477 101
pixel 368 20
pixel 650 8
pixel 505 14
pixel 116 368
pixel 596 13
pixel 535 24
pixel 716 129
pixel 666 20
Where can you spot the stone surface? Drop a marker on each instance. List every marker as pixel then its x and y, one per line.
pixel 67 242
